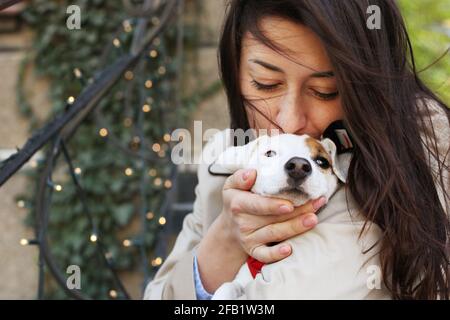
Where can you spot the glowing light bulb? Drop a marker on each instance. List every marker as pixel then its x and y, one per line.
pixel 167 184
pixel 93 237
pixel 156 147
pixel 157 182
pixel 103 132
pixel 129 75
pixel 157 261
pixel 149 84
pixel 166 137
pixel 113 294
pixel 146 108
pixel 126 243
pixel 153 53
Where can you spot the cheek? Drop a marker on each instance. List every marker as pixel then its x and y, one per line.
pixel 258 121
pixel 320 117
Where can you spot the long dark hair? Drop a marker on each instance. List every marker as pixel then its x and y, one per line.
pixel 386 108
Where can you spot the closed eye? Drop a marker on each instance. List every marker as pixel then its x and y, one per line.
pixel 264 87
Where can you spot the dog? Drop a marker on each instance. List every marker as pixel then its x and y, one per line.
pixel 292 167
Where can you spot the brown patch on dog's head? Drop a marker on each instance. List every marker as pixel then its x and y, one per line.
pixel 317 150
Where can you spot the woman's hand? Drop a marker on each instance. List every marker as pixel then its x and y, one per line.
pixel 255 221
pixel 247 225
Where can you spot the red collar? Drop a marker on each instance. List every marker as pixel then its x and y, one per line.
pixel 254 266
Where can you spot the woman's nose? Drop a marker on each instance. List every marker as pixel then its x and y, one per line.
pixel 291 116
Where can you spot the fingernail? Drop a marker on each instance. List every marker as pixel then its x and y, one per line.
pixel 310 221
pixel 319 203
pixel 285 209
pixel 285 249
pixel 246 174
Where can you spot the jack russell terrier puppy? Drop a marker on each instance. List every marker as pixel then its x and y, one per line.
pixel 292 167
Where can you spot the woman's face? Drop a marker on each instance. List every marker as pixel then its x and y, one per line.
pixel 296 90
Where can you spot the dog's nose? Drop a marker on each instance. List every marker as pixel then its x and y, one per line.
pixel 298 168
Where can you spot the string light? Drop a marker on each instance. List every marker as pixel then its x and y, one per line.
pixel 156 147
pixel 26 242
pixel 146 108
pixel 127 26
pixel 150 215
pixel 128 172
pixel 129 75
pixel 157 41
pixel 77 171
pixel 108 255
pixel 70 100
pixel 161 153
pixel 155 21
pixel 21 204
pixel 162 221
pixel 167 184
pixel 103 132
pixel 116 42
pixel 149 84
pixel 58 188
pixel 162 70
pixel 153 53
pixel 157 261
pixel 136 139
pixel 126 243
pixel 157 182
pixel 152 173
pixel 113 294
pixel 77 73
pixel 93 237
pixel 166 137
pixel 127 122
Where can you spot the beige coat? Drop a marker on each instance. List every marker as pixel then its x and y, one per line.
pixel 327 262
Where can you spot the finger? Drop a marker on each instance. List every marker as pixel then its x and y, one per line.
pixel 251 203
pixel 281 231
pixel 271 254
pixel 311 206
pixel 243 179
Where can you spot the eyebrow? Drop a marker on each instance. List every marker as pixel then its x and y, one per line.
pixel 321 74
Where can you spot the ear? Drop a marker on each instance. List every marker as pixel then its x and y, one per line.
pixel 235 158
pixel 340 162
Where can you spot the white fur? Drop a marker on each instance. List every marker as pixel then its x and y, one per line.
pixel 271 175
pixel 271 178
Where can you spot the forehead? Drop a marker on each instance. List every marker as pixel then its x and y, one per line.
pixel 301 45
pixel 290 144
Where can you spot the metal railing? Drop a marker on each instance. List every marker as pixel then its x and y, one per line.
pixel 59 131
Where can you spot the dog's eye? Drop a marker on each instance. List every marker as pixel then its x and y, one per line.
pixel 322 162
pixel 270 153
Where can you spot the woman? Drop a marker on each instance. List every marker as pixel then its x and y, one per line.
pixel 298 66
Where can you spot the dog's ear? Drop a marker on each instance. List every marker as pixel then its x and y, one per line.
pixel 340 162
pixel 235 158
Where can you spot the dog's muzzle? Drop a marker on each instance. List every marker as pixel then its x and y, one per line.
pixel 298 169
